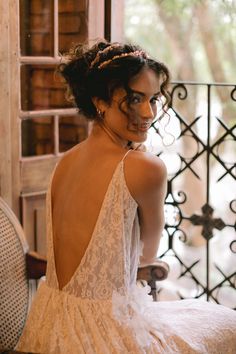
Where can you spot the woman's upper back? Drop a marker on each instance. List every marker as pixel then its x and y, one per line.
pixel 79 185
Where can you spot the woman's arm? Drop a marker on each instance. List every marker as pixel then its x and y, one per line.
pixel 147 182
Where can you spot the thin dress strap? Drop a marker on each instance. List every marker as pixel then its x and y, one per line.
pixel 136 147
pixel 126 155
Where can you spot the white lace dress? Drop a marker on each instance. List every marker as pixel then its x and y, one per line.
pixel 102 311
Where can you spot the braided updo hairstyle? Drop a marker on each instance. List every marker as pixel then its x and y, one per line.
pixel 98 71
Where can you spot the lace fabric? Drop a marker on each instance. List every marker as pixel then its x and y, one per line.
pixel 101 310
pixel 95 278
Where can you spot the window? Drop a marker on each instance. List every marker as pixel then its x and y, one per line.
pixel 49 123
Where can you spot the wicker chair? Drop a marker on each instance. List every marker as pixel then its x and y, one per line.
pixel 17 266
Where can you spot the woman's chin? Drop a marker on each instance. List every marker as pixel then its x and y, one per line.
pixel 141 138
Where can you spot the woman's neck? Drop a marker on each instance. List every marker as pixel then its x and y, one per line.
pixel 102 129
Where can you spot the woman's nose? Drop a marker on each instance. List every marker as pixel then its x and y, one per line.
pixel 147 111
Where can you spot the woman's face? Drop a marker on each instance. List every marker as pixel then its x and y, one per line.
pixel 130 119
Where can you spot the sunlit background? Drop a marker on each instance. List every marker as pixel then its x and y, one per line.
pixel 197 40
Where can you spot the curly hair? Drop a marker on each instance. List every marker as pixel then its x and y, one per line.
pixel 98 71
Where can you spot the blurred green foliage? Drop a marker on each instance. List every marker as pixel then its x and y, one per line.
pixel 144 25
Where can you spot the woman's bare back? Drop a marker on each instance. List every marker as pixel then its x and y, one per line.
pixel 79 185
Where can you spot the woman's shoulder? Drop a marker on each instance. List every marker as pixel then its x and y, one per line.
pixel 145 173
pixel 145 164
pixel 69 157
pixel 64 166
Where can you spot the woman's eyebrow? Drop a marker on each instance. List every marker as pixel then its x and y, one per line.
pixel 143 94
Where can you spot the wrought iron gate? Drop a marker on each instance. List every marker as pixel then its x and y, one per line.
pixel 199 239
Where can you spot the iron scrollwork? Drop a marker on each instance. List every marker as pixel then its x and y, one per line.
pixel 207 221
pixel 210 276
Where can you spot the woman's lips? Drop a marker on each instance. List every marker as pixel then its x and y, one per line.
pixel 142 127
pixel 143 130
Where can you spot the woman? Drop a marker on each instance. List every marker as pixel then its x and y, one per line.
pixel 105 217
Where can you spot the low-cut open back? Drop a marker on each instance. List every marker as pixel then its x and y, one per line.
pixel 96 223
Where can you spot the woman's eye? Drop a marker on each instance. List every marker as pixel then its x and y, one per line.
pixel 134 100
pixel 154 100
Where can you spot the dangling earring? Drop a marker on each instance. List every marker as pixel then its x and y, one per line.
pixel 100 114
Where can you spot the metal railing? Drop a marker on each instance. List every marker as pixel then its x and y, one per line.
pixel 199 239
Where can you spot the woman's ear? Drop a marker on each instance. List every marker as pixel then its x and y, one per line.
pixel 99 104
